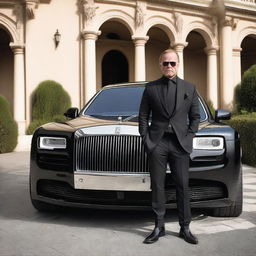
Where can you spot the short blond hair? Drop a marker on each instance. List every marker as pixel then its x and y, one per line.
pixel 168 51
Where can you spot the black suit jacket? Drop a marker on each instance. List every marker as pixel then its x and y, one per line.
pixel 184 119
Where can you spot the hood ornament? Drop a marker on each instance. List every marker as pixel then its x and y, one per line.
pixel 118 130
pixel 120 119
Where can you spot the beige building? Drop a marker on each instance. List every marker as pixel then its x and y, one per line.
pixel 107 41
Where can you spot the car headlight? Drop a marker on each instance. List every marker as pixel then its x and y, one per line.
pixel 52 143
pixel 208 143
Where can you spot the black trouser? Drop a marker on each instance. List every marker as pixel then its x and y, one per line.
pixel 169 150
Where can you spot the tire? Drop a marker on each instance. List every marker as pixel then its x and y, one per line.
pixel 236 208
pixel 231 211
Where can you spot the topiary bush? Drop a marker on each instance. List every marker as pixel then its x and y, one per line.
pixel 246 127
pixel 245 94
pixel 49 102
pixel 237 108
pixel 8 128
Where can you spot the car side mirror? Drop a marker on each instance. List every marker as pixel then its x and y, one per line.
pixel 221 114
pixel 72 113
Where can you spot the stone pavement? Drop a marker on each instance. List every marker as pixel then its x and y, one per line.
pixel 27 232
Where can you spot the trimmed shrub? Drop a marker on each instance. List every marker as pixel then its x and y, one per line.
pixel 237 99
pixel 246 92
pixel 8 128
pixel 246 127
pixel 48 100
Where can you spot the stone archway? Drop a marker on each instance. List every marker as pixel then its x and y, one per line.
pixel 248 54
pixel 15 47
pixel 114 68
pixel 115 54
pixel 6 67
pixel 195 62
pixel 157 43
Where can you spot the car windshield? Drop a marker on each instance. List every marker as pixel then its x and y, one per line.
pixel 121 103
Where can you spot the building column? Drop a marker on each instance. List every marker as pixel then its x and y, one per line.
pixel 90 63
pixel 19 87
pixel 179 47
pixel 237 66
pixel 140 63
pixel 212 79
pixel 226 81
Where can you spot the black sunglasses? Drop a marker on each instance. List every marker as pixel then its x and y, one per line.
pixel 166 63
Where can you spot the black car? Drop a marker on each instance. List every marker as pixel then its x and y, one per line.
pixel 97 159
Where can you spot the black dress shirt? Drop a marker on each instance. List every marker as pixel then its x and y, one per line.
pixel 169 92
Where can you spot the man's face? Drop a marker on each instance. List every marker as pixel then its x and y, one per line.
pixel 169 64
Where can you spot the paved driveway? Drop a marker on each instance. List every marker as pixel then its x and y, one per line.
pixel 26 232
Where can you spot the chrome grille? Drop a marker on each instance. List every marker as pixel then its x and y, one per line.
pixel 111 153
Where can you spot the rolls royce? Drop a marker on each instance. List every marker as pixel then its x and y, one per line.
pixel 96 159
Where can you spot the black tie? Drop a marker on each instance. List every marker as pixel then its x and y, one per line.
pixel 171 96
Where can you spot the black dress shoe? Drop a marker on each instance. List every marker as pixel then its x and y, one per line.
pixel 188 236
pixel 154 236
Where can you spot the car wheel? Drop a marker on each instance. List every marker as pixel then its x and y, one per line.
pixel 231 211
pixel 235 209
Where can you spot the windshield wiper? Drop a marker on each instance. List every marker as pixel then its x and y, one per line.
pixel 130 117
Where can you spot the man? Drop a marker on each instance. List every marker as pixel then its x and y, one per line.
pixel 172 105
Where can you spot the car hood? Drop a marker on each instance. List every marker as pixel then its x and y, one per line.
pixel 90 124
pixel 217 129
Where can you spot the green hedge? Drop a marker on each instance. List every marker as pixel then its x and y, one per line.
pixel 8 128
pixel 49 102
pixel 246 126
pixel 245 93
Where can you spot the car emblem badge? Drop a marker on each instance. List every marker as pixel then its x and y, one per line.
pixel 118 130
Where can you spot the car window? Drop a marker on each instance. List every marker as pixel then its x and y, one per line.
pixel 116 102
pixel 203 113
pixel 121 102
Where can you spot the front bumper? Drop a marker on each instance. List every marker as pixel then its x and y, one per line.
pixel 107 181
pixel 122 191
